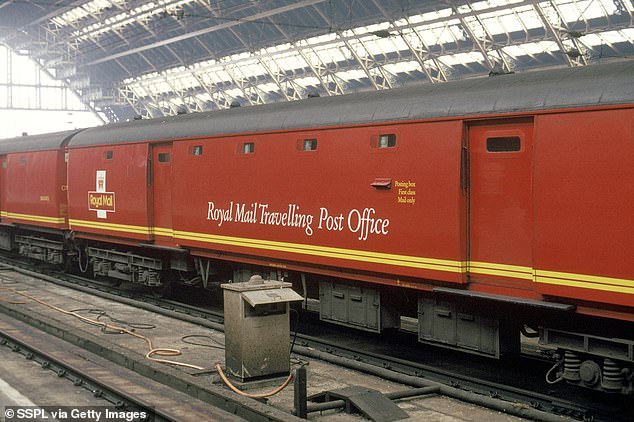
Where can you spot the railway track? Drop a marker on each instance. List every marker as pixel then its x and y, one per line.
pixel 76 375
pixel 132 397
pixel 505 398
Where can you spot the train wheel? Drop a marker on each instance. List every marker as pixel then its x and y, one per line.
pixel 163 291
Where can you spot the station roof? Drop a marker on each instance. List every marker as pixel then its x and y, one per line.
pixel 160 57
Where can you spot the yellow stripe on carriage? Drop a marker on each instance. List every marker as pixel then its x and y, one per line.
pixel 36 218
pixel 340 253
pixel 475 267
pixel 502 270
pixel 125 228
pixel 586 285
pixel 563 278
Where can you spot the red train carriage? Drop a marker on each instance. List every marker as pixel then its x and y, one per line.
pixel 327 198
pixel 110 199
pixel 476 206
pixel 33 201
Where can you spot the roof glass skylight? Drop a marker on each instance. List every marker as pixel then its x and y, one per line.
pixel 438 43
pixel 86 9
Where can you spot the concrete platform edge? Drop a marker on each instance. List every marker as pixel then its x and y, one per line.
pixel 201 389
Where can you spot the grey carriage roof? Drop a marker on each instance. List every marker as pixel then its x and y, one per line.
pixel 594 85
pixel 48 141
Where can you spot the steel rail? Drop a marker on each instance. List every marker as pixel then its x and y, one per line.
pixel 117 397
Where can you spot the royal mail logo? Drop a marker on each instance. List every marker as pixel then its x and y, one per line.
pixel 99 200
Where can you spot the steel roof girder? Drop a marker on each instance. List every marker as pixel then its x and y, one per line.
pixel 277 11
pixel 191 102
pixel 220 98
pixel 429 65
pixel 320 71
pixel 177 93
pixel 506 67
pixel 323 69
pixel 550 28
pixel 574 52
pixel 108 14
pixel 51 15
pixel 251 93
pixel 378 76
pixel 255 95
pixel 279 79
pixel 128 96
pixel 424 53
pixel 480 44
pixel 208 91
pixel 428 61
pixel 317 67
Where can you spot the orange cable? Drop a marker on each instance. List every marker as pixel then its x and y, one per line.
pixel 149 355
pixel 254 396
pixel 152 350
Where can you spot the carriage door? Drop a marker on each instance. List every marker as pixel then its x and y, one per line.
pixel 500 207
pixel 162 190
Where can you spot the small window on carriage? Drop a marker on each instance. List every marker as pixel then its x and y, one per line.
pixel 504 144
pixel 248 148
pixel 163 157
pixel 197 150
pixel 310 144
pixel 387 141
pixel 108 155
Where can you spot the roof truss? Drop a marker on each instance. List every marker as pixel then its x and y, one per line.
pixel 162 57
